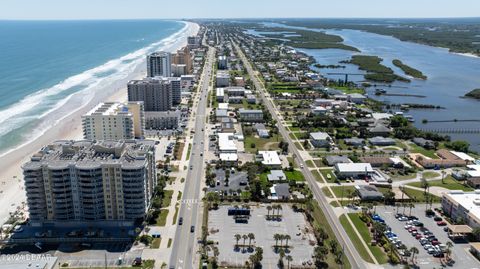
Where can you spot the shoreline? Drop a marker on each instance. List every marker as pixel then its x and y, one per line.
pixel 68 126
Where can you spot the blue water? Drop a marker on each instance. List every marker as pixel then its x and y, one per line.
pixel 42 63
pixel 450 76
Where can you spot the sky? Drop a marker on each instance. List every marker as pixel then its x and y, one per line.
pixel 168 9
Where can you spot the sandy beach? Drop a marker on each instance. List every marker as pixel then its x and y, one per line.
pixel 12 194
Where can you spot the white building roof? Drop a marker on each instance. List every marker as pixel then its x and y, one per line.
pixel 270 158
pixel 468 200
pixel 222 105
pixel 320 136
pixel 463 156
pixel 220 91
pixel 229 157
pixel 381 116
pixel 354 167
pixel 225 142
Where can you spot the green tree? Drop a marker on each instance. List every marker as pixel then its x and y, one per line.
pixel 414 251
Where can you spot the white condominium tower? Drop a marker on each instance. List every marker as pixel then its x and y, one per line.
pixel 114 121
pixel 159 64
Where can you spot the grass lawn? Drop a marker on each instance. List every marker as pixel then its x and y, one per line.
pixel 417 149
pixel 404 177
pixel 290 160
pixel 319 163
pixel 294 129
pixel 301 135
pixel 317 176
pixel 162 218
pixel 189 151
pixel 340 191
pixel 327 192
pixel 430 174
pixel 319 220
pixel 298 145
pixel 418 196
pixel 355 239
pixel 310 164
pixel 294 175
pixel 367 238
pixel 179 195
pixel 326 173
pixel 175 215
pixel 261 143
pixel 179 151
pixel 448 183
pixel 156 243
pixel 167 198
pixel 169 244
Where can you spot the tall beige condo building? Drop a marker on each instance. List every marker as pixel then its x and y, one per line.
pixel 114 121
pixel 90 181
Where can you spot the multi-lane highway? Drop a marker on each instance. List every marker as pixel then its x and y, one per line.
pixel 183 249
pixel 351 253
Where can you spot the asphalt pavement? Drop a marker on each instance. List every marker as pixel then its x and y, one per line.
pixel 183 248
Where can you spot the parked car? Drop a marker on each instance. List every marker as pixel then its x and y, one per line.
pixel 441 223
pixel 437 218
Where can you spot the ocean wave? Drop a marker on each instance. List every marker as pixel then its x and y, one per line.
pixel 45 103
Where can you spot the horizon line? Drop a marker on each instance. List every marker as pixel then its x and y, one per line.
pixel 237 18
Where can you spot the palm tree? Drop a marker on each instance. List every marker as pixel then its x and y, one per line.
pixel 443 175
pixel 251 237
pixel 276 237
pixel 281 237
pixel 244 237
pixel 289 259
pixel 269 208
pixel 414 251
pixel 287 237
pixel 411 205
pixel 237 237
pixel 449 246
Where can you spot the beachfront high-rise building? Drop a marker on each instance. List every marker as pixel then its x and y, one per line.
pixel 183 57
pixel 86 181
pixel 159 64
pixel 114 121
pixel 193 42
pixel 157 93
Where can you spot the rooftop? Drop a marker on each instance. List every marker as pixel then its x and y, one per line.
pixel 354 167
pixel 320 136
pixel 90 154
pixel 468 200
pixel 270 158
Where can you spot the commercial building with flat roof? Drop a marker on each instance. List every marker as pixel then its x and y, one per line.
pixel 226 143
pixel 463 205
pixel 222 79
pixel 162 120
pixel 269 158
pixel 320 139
pixel 114 121
pixel 354 170
pixel 90 181
pixel 250 115
pixel 220 93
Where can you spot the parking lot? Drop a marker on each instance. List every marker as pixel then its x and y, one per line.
pixel 222 229
pixel 236 181
pixel 460 251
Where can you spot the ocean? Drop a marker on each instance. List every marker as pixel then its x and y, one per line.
pixel 44 64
